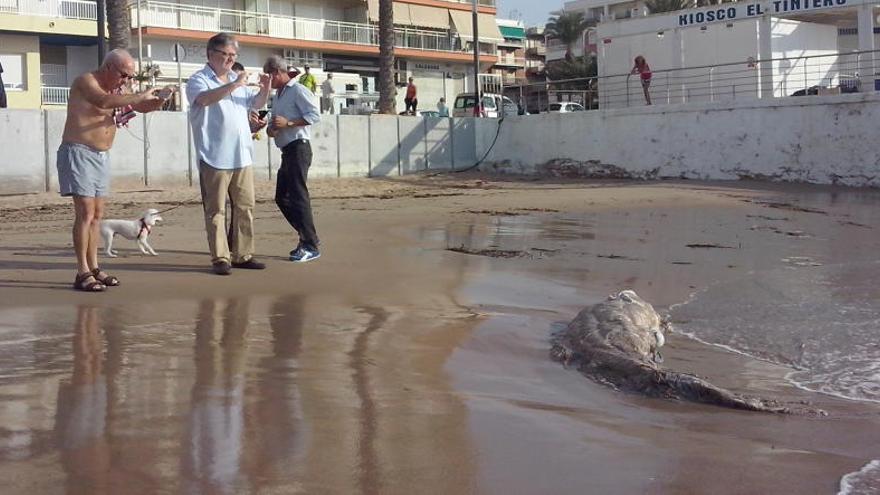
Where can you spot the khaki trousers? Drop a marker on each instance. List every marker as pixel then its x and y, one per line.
pixel 238 186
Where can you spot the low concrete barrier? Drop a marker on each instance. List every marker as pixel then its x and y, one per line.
pixel 342 145
pixel 815 139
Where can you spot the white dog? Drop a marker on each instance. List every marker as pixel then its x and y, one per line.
pixel 131 229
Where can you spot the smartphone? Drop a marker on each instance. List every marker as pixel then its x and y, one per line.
pixel 166 92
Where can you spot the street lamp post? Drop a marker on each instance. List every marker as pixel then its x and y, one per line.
pixel 476 61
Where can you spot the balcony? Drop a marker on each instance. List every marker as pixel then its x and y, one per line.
pixel 55 95
pixel 511 43
pixel 175 16
pixel 481 3
pixel 65 9
pixel 536 51
pixel 511 62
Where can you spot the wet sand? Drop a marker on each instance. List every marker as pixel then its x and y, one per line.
pixel 412 357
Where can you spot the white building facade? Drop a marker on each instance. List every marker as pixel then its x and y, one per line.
pixel 755 49
pixel 433 42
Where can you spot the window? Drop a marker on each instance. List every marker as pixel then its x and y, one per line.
pixel 13 71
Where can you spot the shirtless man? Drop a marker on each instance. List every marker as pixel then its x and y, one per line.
pixel 98 103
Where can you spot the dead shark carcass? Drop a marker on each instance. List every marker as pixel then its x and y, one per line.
pixel 617 342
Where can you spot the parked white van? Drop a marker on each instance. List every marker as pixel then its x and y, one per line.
pixel 494 105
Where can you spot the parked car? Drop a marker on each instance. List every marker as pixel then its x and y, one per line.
pixel 494 105
pixel 565 107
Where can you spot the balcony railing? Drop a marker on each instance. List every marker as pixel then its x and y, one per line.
pixel 511 61
pixel 67 9
pixel 175 16
pixel 55 95
pixel 481 3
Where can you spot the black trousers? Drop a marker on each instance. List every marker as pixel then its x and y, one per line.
pixel 292 193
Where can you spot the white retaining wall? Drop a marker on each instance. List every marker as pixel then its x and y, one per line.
pixel 342 146
pixel 817 139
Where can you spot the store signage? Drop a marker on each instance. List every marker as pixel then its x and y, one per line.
pixel 746 10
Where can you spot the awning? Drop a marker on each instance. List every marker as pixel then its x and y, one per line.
pixel 463 23
pixel 373 10
pixel 511 32
pixel 401 14
pixel 429 17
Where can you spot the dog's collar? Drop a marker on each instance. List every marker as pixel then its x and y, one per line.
pixel 144 228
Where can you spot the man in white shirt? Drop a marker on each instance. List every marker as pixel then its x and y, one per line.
pixel 219 106
pixel 293 111
pixel 327 93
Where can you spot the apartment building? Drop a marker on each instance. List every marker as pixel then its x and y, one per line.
pixel 535 53
pixel 511 52
pixel 433 44
pixel 44 44
pixel 594 11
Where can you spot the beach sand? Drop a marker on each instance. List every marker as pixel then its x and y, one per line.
pixel 413 356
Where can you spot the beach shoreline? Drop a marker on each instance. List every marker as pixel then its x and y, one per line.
pixel 473 272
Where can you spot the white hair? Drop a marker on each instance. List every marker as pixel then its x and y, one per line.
pixel 118 56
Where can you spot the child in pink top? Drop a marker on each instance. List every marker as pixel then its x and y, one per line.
pixel 644 70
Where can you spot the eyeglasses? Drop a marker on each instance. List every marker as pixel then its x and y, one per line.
pixel 226 54
pixel 124 75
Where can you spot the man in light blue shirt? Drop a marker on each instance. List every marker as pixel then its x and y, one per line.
pixel 293 111
pixel 219 106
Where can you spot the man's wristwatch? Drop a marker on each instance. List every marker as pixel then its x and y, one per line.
pixel 290 123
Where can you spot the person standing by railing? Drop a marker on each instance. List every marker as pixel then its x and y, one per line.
pixel 442 109
pixel 411 100
pixel 642 68
pixel 327 93
pixel 308 80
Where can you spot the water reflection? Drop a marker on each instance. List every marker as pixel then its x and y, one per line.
pixel 369 480
pixel 81 420
pixel 277 442
pixel 213 447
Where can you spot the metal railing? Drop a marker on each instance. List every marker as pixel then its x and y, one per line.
pixel 67 9
pixel 55 95
pixel 512 61
pixel 53 74
pixel 176 16
pixel 827 74
pixel 481 3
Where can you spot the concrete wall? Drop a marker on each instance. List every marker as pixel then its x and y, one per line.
pixel 342 145
pixel 818 139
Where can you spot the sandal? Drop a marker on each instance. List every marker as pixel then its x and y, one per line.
pixel 81 283
pixel 108 280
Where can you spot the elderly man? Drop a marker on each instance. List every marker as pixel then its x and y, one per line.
pixel 220 103
pixel 293 112
pixel 99 103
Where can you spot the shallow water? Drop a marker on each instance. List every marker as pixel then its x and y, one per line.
pixel 320 393
pixel 821 320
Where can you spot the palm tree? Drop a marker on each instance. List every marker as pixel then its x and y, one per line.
pixel 387 104
pixel 658 6
pixel 567 27
pixel 119 23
